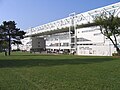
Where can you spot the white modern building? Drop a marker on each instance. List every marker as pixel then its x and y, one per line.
pixel 25 46
pixel 66 34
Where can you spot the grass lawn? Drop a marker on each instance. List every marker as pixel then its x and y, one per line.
pixel 23 71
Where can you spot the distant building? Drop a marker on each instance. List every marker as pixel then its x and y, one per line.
pixel 25 46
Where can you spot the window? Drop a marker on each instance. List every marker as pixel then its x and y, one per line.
pixel 88 31
pixel 82 40
pixel 87 44
pixel 65 44
pixel 96 34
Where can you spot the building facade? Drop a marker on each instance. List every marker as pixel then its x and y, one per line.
pixel 66 35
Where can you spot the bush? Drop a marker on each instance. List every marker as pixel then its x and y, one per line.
pixel 115 54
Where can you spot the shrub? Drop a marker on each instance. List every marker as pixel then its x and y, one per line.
pixel 115 54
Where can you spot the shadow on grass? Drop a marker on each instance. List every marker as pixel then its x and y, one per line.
pixel 50 62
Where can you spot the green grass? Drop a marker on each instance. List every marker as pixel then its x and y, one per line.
pixel 24 71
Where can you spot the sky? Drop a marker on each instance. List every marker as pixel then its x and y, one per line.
pixel 31 13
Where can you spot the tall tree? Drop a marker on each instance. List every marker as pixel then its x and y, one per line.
pixel 11 34
pixel 110 27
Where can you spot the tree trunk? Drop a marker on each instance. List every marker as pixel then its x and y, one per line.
pixel 115 45
pixel 118 51
pixel 9 48
pixel 5 52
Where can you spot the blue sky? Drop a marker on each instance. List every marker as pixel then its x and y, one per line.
pixel 31 13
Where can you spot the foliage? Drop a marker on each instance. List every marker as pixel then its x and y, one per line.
pixel 109 26
pixel 24 71
pixel 115 54
pixel 10 34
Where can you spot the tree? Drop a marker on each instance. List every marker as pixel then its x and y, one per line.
pixel 3 41
pixel 11 34
pixel 109 26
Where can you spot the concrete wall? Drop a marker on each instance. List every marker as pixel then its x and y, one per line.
pixel 38 42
